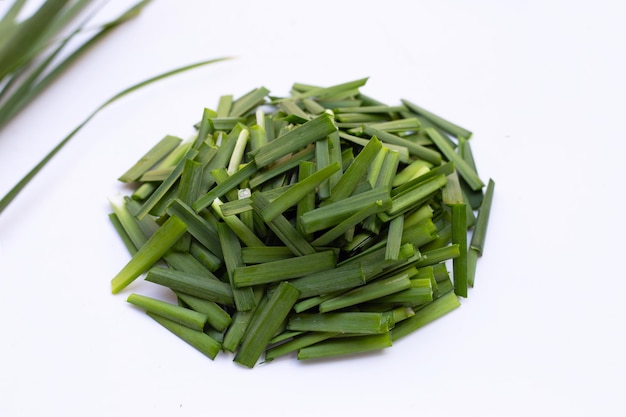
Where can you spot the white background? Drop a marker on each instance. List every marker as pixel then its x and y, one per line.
pixel 541 85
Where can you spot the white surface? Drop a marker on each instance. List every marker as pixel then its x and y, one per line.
pixel 541 85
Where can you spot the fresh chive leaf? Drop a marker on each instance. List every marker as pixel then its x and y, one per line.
pixel 298 192
pixel 266 323
pixel 345 346
pixel 238 227
pixel 368 292
pixel 163 148
pixel 330 235
pixel 394 239
pixel 344 322
pixel 220 190
pixel 414 149
pixel 480 230
pixel 199 340
pixel 332 214
pixel 337 279
pixel 231 248
pixel 425 315
pixel 283 228
pixel 466 171
pixel 357 169
pixel 154 248
pixel 206 286
pixel 299 342
pixel 459 237
pixel 307 133
pixel 283 269
pixel 247 102
pixel 217 318
pixel 180 315
pixel 443 124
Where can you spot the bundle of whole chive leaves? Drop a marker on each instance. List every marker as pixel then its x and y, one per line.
pixel 36 50
pixel 323 223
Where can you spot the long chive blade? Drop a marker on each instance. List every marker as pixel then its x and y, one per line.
pixel 10 196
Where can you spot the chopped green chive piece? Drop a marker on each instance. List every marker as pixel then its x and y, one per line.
pixel 151 158
pixel 231 248
pixel 425 315
pixel 348 322
pixel 459 237
pixel 248 102
pixel 309 132
pixel 217 318
pixel 297 343
pixel 394 239
pixel 180 315
pixel 357 169
pixel 464 169
pixel 371 291
pixel 199 340
pixel 358 217
pixel 148 254
pixel 337 279
pixel 197 226
pixel 443 124
pixel 295 267
pixel 265 324
pixel 332 214
pixel 345 346
pixel 262 254
pixel 205 287
pixel 414 148
pixel 283 228
pixel 221 189
pixel 299 191
pixel 480 230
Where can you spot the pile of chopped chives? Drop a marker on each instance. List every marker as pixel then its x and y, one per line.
pixel 319 224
